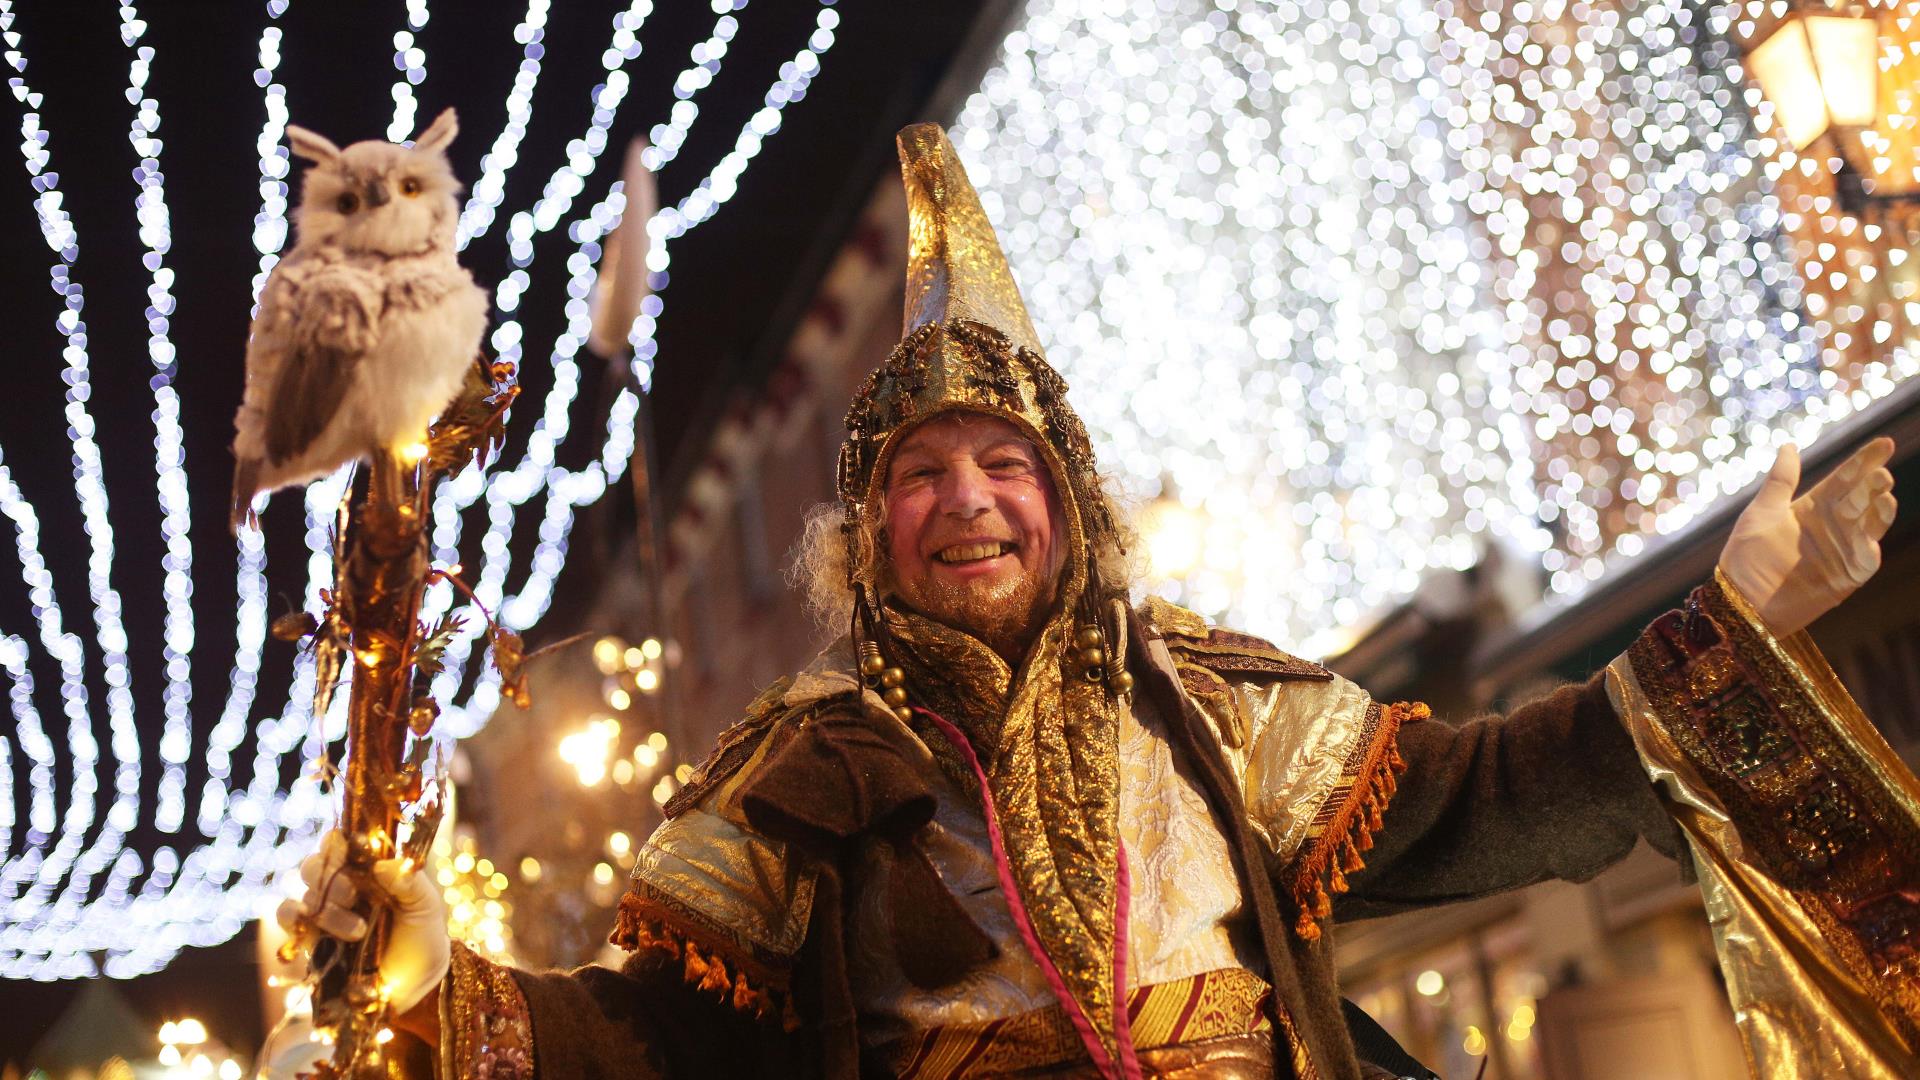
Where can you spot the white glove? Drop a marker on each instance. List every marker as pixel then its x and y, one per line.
pixel 1797 559
pixel 418 948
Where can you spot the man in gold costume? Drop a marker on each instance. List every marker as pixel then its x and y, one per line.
pixel 1011 824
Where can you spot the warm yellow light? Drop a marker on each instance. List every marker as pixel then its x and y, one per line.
pixel 1844 49
pixel 384 1035
pixel 530 869
pixel 650 648
pixel 189 1032
pixel 414 453
pixel 170 1055
pixel 658 742
pixel 646 756
pixel 607 653
pixel 646 680
pixel 635 657
pixel 623 772
pixel 619 698
pixel 1476 1041
pixel 1429 983
pixel 1176 537
pixel 602 873
pixel 1819 70
pixel 589 750
pixel 619 843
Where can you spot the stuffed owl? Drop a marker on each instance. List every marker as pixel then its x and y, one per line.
pixel 368 326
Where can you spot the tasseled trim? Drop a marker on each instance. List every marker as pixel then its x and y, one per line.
pixel 1333 852
pixel 750 987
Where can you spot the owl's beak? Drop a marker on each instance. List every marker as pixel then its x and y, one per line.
pixel 377 195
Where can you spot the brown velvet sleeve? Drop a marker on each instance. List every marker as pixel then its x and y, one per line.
pixel 1553 789
pixel 645 1021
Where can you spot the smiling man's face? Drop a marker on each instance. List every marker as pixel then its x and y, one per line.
pixel 975 534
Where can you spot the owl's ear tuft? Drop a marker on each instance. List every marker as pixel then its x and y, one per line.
pixel 314 147
pixel 439 133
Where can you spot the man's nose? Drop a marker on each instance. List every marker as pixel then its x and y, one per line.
pixel 966 492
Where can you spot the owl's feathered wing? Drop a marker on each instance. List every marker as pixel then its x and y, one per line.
pixel 318 321
pixel 349 356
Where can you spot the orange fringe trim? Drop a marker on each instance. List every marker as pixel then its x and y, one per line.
pixel 704 967
pixel 1322 871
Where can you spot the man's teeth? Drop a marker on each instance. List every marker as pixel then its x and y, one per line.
pixel 970 552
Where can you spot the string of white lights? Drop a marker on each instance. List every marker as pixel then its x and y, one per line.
pixel 176 739
pixel 566 490
pixel 59 910
pixel 410 60
pixel 501 157
pixel 531 473
pixel 1368 289
pixel 64 877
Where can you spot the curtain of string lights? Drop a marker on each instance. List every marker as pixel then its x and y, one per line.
pixel 1368 283
pixel 75 899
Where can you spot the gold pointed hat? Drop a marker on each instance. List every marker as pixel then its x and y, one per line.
pixel 967 341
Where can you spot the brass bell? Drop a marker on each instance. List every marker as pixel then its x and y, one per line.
pixel 871 662
pixel 905 714
pixel 1121 682
pixel 893 676
pixel 1095 674
pixel 1089 637
pixel 1094 656
pixel 421 716
pixel 895 696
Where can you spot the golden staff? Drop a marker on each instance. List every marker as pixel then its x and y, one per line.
pixel 382 567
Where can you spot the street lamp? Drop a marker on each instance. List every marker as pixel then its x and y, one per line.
pixel 1819 67
pixel 1819 71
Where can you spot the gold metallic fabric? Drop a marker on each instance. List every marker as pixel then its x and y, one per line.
pixel 707 870
pixel 1048 745
pixel 485 1026
pixel 1188 913
pixel 955 269
pixel 1802 824
pixel 1217 1016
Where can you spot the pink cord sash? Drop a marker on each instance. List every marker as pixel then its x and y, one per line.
pixel 1129 1065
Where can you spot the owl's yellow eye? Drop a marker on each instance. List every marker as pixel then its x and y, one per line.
pixel 409 187
pixel 348 202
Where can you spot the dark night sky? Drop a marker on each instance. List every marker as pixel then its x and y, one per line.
pixel 729 306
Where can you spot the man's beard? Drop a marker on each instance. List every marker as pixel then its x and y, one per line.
pixel 1004 614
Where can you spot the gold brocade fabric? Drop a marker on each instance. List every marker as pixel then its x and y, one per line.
pixel 1049 747
pixel 1803 825
pixel 485 1028
pixel 1208 1005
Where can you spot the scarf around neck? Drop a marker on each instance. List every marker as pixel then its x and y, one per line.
pixel 1047 743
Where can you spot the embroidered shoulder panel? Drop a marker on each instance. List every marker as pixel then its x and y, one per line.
pixel 1223 651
